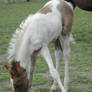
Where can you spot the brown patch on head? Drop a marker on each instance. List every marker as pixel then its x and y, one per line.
pixel 46 9
pixel 67 17
pixel 19 76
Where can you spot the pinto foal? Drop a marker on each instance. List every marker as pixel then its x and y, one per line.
pixel 46 26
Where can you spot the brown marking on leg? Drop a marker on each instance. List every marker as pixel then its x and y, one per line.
pixel 19 76
pixel 67 17
pixel 45 10
pixel 33 62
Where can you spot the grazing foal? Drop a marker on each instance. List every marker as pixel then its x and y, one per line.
pixel 33 37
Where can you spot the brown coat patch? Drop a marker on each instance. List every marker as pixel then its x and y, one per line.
pixel 46 9
pixel 19 76
pixel 67 17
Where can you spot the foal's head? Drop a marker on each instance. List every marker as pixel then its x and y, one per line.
pixel 19 76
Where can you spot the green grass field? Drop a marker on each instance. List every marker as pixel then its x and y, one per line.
pixel 11 16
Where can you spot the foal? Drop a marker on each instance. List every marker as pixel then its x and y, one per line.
pixel 46 26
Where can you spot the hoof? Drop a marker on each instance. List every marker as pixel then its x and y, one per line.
pixel 53 88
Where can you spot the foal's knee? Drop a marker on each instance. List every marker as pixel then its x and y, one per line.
pixel 54 74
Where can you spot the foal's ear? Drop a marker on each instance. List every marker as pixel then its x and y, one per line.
pixel 8 67
pixel 17 64
pixel 18 67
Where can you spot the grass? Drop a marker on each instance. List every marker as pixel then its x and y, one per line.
pixel 43 66
pixel 43 90
pixel 78 90
pixel 11 16
pixel 40 80
pixel 5 89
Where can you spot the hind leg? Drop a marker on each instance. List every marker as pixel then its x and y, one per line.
pixel 66 53
pixel 58 56
pixel 55 75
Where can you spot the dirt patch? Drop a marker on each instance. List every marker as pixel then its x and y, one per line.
pixel 4 82
pixel 2 57
pixel 81 85
pixel 88 74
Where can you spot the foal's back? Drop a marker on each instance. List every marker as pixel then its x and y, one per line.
pixel 47 23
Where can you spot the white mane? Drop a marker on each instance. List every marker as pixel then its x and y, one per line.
pixel 16 38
